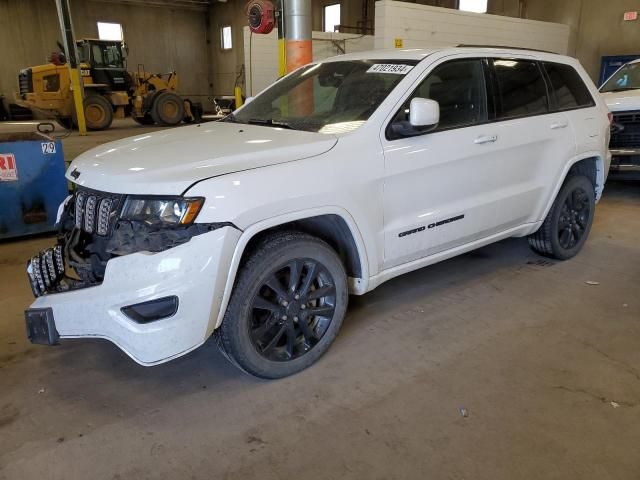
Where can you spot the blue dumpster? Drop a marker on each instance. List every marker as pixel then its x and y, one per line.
pixel 32 183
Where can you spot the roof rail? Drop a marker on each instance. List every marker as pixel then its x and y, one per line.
pixel 468 45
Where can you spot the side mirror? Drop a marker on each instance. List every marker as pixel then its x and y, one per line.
pixel 424 113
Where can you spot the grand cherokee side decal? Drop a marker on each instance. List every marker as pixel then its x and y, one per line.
pixel 431 225
pixel 448 220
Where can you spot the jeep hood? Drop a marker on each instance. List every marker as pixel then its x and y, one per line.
pixel 622 101
pixel 170 161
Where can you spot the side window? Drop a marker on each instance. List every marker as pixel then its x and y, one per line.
pixel 459 88
pixel 568 88
pixel 51 83
pixel 521 88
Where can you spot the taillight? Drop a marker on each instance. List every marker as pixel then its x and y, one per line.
pixel 610 117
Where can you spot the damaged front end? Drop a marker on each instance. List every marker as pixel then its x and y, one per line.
pixel 95 227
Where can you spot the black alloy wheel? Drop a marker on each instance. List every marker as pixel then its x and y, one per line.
pixel 574 218
pixel 292 310
pixel 568 223
pixel 287 305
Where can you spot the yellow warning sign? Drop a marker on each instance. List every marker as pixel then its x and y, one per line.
pixel 398 42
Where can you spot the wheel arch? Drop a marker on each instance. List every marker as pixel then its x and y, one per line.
pixel 334 225
pixel 590 164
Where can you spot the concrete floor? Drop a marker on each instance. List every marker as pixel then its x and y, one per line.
pixel 546 366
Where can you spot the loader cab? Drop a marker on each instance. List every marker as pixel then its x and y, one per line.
pixel 105 60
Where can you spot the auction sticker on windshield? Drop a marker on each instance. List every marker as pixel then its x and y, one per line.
pixel 397 68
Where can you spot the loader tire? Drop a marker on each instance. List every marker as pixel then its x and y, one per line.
pixel 98 112
pixel 167 109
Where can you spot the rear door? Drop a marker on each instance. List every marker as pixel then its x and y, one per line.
pixel 536 139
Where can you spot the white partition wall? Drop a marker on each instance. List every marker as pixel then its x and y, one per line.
pixel 261 54
pixel 423 26
pixel 414 26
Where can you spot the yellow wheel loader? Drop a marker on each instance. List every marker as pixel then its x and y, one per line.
pixel 109 90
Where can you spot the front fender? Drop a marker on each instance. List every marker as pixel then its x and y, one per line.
pixel 356 285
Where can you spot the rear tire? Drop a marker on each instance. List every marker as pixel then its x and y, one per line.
pixel 286 308
pixel 98 112
pixel 167 109
pixel 568 223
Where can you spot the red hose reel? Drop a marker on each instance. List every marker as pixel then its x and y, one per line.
pixel 261 15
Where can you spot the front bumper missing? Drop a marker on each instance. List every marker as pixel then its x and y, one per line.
pixel 194 272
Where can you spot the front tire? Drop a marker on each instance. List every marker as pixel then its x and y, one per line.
pixel 568 223
pixel 98 112
pixel 167 109
pixel 286 308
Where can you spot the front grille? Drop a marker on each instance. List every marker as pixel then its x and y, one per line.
pixel 25 81
pixel 625 130
pixel 95 212
pixel 45 270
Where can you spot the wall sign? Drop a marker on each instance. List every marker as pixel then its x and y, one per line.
pixel 398 43
pixel 8 168
pixel 630 16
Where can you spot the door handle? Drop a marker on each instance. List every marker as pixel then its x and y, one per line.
pixel 557 125
pixel 485 139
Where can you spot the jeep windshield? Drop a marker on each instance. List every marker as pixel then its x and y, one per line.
pixel 626 78
pixel 332 97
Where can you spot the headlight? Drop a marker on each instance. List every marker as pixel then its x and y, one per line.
pixel 160 212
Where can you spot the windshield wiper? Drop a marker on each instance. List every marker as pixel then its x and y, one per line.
pixel 269 123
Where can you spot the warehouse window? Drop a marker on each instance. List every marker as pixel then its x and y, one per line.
pixel 225 33
pixel 478 6
pixel 109 31
pixel 331 16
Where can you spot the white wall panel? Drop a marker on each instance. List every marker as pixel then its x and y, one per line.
pixel 425 26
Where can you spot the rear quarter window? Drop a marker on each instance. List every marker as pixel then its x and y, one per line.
pixel 568 88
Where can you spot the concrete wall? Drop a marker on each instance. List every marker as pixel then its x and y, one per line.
pixel 261 54
pixel 597 26
pixel 227 64
pixel 163 39
pixel 423 26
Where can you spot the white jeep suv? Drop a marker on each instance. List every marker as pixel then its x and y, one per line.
pixel 338 177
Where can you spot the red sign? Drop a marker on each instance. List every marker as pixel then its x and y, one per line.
pixel 629 16
pixel 8 168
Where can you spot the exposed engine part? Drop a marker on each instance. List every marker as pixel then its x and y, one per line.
pixel 90 234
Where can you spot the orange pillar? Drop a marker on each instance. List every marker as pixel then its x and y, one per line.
pixel 299 52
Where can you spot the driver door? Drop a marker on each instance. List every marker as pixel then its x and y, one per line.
pixel 437 182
